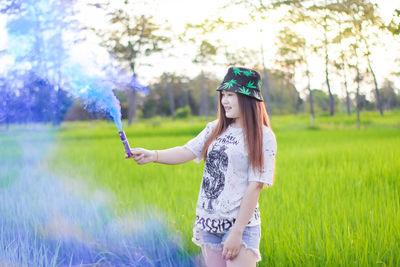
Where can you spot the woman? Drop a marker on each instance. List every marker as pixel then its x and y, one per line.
pixel 239 151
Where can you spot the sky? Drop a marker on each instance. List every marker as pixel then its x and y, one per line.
pixel 179 12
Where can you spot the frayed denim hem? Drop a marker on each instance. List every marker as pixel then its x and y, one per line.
pixel 196 239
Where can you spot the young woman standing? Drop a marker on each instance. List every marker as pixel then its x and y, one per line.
pixel 239 151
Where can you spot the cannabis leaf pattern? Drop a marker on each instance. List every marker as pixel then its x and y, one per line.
pixel 229 84
pixel 248 73
pixel 251 85
pixel 244 81
pixel 256 95
pixel 237 71
pixel 244 90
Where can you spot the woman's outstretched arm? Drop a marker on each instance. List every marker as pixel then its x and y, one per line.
pixel 171 156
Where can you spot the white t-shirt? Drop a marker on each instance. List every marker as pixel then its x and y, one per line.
pixel 226 176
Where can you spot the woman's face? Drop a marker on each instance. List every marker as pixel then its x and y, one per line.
pixel 230 103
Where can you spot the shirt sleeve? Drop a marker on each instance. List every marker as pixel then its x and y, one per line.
pixel 269 150
pixel 196 144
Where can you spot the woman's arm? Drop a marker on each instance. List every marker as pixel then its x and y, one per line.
pixel 172 156
pixel 246 210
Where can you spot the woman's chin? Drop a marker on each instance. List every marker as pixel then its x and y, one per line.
pixel 230 116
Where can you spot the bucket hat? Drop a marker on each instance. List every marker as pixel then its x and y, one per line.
pixel 243 81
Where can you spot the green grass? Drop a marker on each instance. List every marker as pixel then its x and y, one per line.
pixel 336 198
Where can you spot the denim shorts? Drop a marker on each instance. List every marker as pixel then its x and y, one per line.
pixel 250 239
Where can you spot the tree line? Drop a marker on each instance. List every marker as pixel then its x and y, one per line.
pixel 181 96
pixel 346 31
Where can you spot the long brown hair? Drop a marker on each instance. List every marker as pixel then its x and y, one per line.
pixel 254 116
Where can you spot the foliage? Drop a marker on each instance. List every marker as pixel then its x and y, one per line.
pixel 131 37
pixel 394 24
pixel 321 101
pixel 184 112
pixel 38 43
pixel 186 92
pixel 33 101
pixel 210 44
pixel 353 28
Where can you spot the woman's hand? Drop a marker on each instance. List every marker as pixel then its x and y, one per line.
pixel 142 156
pixel 232 245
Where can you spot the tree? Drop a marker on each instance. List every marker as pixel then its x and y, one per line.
pixel 357 80
pixel 129 39
pixel 388 93
pixel 202 88
pixel 205 55
pixel 364 20
pixel 394 25
pixel 295 48
pixel 321 100
pixel 281 89
pixel 209 47
pixel 28 101
pixel 341 65
pixel 290 58
pixel 266 83
pixel 185 91
pixel 321 16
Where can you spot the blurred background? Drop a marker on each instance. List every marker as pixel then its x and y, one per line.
pixel 314 56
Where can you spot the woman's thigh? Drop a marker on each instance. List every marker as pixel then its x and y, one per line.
pixel 245 258
pixel 212 257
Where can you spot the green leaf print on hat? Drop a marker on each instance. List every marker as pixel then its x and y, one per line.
pixel 229 84
pixel 244 90
pixel 243 81
pixel 251 85
pixel 237 71
pixel 248 73
pixel 256 95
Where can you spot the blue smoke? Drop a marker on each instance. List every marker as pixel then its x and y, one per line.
pixel 95 91
pixel 45 222
pixel 41 36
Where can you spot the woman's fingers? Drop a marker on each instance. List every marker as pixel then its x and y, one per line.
pixel 136 151
pixel 129 156
pixel 142 161
pixel 139 157
pixel 225 254
pixel 235 253
pixel 230 254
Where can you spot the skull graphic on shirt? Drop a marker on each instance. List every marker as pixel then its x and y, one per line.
pixel 216 166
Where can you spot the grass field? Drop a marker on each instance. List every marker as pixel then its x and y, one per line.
pixel 335 202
